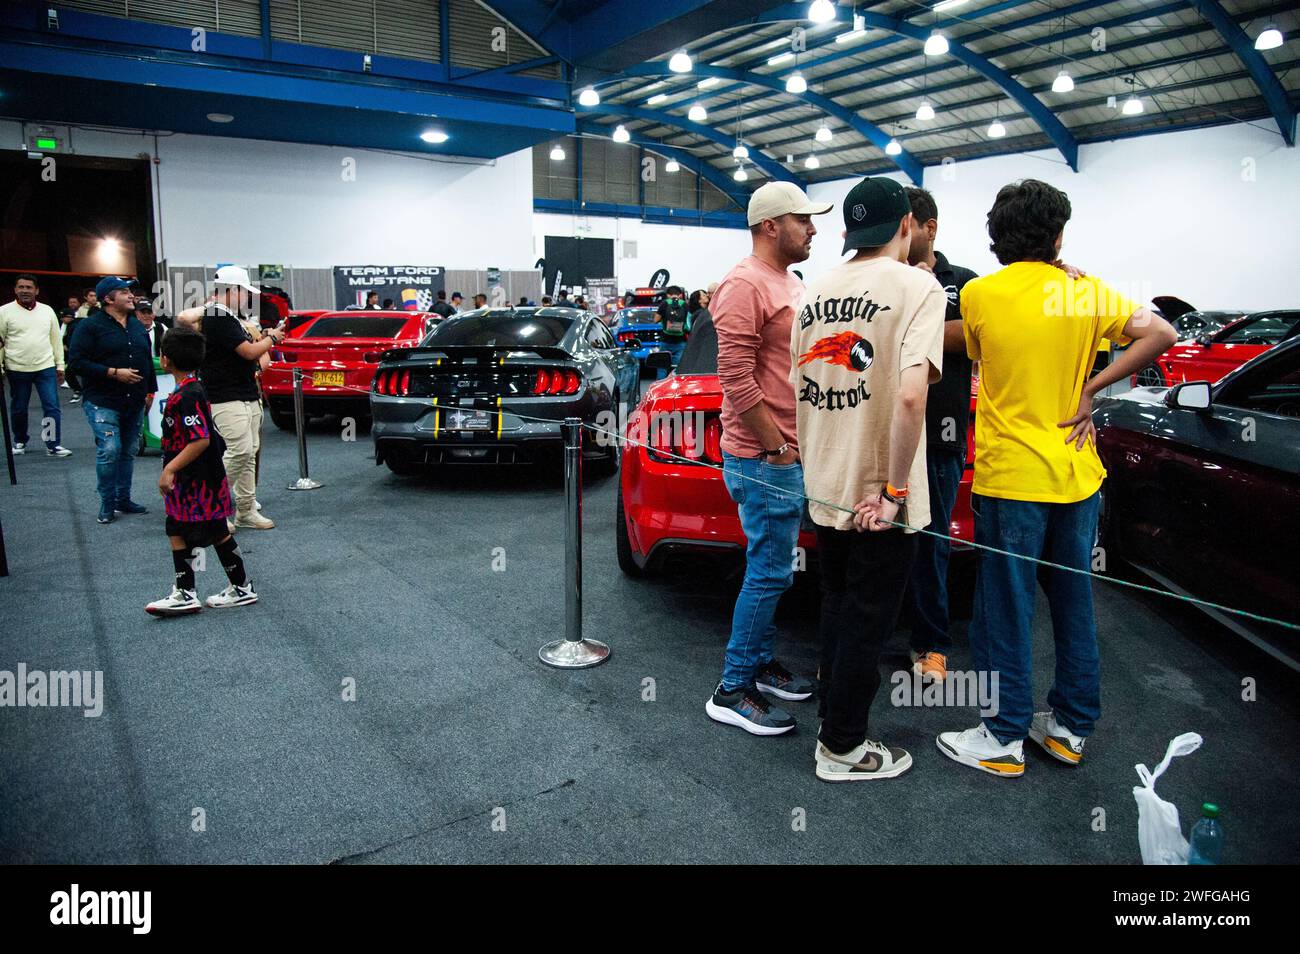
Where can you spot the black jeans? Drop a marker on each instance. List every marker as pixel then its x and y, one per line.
pixel 927 592
pixel 863 576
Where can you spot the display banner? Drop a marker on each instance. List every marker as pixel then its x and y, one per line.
pixel 412 287
pixel 603 293
pixel 659 279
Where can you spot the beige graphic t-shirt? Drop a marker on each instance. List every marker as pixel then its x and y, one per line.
pixel 857 329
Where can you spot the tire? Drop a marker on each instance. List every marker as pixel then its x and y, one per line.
pixel 1150 377
pixel 607 465
pixel 623 543
pixel 282 419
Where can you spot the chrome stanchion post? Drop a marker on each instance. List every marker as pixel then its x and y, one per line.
pixel 303 482
pixel 573 652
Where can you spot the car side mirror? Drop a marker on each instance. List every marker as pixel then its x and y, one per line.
pixel 1191 396
pixel 659 359
pixel 1203 341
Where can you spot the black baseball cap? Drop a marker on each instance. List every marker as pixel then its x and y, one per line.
pixel 872 210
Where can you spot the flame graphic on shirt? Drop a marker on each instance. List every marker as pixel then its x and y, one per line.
pixel 845 349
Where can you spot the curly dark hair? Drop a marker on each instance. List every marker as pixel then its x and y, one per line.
pixel 1025 220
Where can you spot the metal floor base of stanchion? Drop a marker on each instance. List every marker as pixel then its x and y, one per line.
pixel 304 483
pixel 574 654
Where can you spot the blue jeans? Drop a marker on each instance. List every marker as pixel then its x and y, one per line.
pixel 1001 631
pixel 769 516
pixel 117 438
pixel 927 590
pixel 46 383
pixel 675 347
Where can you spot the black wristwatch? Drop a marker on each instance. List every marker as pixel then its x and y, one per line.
pixel 775 453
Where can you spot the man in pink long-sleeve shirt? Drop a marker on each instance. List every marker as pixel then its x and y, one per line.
pixel 752 313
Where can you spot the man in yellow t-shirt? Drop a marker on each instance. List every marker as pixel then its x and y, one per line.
pixel 1035 331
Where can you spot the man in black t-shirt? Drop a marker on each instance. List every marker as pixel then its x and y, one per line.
pixel 440 307
pixel 229 375
pixel 672 316
pixel 947 417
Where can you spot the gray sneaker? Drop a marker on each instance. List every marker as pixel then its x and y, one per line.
pixel 775 680
pixel 748 709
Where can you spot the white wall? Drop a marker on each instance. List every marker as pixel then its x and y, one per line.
pixel 1171 214
pixel 695 257
pixel 241 200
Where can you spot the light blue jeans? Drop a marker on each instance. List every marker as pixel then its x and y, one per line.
pixel 117 438
pixel 770 512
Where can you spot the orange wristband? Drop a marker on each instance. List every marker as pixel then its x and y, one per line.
pixel 898 493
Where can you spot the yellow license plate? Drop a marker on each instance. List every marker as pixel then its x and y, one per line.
pixel 327 379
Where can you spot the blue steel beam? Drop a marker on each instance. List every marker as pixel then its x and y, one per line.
pixel 771 167
pixel 868 130
pixel 1269 87
pixel 661 215
pixel 688 160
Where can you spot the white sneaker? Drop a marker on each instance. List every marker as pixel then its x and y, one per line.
pixel 20 449
pixel 58 451
pixel 233 596
pixel 979 749
pixel 1056 740
pixel 179 603
pixel 257 505
pixel 254 521
pixel 66 385
pixel 868 761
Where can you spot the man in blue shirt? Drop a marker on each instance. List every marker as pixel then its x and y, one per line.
pixel 111 354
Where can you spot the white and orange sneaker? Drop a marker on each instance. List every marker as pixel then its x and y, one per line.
pixel 981 750
pixel 931 666
pixel 1056 740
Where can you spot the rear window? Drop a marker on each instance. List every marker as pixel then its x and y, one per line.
pixel 355 326
pixel 494 331
pixel 641 316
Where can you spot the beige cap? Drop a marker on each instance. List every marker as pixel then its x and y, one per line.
pixel 775 199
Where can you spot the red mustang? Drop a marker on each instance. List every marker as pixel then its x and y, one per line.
pixel 1212 356
pixel 338 351
pixel 666 505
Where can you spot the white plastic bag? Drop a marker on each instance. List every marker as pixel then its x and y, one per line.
pixel 1159 834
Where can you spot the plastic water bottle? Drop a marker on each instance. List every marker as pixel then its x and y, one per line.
pixel 1207 838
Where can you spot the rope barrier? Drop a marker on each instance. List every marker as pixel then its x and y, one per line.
pixel 621 439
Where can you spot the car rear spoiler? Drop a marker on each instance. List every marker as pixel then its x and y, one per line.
pixel 484 353
pixel 1170 307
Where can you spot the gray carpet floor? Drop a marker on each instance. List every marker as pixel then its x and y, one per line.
pixel 462 747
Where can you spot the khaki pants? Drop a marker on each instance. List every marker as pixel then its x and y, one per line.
pixel 240 426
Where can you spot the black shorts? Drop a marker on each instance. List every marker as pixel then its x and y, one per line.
pixel 198 533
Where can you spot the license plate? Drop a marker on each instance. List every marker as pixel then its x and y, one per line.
pixel 459 420
pixel 327 379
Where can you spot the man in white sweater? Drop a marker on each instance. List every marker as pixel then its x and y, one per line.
pixel 31 354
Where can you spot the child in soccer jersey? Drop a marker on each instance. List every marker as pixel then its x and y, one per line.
pixel 194 486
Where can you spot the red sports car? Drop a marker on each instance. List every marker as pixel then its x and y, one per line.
pixel 1210 357
pixel 667 506
pixel 338 353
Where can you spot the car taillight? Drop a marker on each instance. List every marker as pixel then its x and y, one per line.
pixel 625 336
pixel 551 382
pixel 393 383
pixel 372 357
pixel 404 383
pixel 691 438
pixel 713 440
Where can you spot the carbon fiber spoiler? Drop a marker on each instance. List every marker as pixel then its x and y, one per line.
pixel 483 353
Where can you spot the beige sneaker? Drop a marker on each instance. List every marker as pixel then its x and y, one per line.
pixel 254 521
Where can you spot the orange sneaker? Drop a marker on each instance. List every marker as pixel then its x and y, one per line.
pixel 931 667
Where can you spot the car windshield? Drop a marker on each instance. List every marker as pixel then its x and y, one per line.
pixel 1266 329
pixel 354 326
pixel 700 356
pixel 497 329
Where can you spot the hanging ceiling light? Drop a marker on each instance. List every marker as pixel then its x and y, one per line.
pixel 925 112
pixel 697 113
pixel 589 97
pixel 812 162
pixel 1063 82
pixel 821 11
pixel 796 83
pixel 740 152
pixel 823 132
pixel 740 174
pixel 1270 38
pixel 672 166
pixel 892 148
pixel 936 44
pixel 621 134
pixel 996 129
pixel 557 153
pixel 1132 106
pixel 681 62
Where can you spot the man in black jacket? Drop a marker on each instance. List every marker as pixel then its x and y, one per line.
pixel 111 354
pixel 947 417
